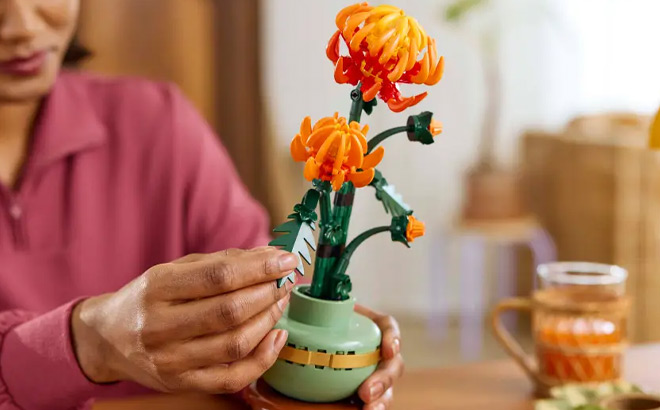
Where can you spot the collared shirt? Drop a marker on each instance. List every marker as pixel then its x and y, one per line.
pixel 122 174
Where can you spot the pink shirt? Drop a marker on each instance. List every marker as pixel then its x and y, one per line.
pixel 123 174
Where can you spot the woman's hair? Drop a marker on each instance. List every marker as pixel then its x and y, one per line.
pixel 76 53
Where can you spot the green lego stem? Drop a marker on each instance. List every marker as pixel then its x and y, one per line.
pixel 324 258
pixel 327 283
pixel 334 230
pixel 345 258
pixel 357 106
pixel 325 206
pixel 343 208
pixel 373 143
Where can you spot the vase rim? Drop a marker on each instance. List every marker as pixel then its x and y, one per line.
pixel 299 291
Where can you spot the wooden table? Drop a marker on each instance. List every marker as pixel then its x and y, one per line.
pixel 498 385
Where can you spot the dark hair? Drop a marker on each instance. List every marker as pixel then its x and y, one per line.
pixel 76 53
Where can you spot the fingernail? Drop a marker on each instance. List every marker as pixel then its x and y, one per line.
pixel 288 262
pixel 283 302
pixel 280 340
pixel 376 390
pixel 288 285
pixel 379 406
pixel 396 346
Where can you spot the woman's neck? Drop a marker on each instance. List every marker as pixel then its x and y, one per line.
pixel 16 123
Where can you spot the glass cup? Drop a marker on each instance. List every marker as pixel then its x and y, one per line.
pixel 579 324
pixel 599 277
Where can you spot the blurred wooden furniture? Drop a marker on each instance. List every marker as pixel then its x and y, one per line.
pixel 596 188
pixel 209 48
pixel 484 255
pixel 493 193
pixel 165 40
pixel 498 385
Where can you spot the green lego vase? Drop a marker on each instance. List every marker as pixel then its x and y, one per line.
pixel 325 326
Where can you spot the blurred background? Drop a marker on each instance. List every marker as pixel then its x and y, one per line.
pixel 545 106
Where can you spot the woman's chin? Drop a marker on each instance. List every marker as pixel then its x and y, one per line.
pixel 19 88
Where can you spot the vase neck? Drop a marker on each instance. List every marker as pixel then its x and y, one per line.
pixel 319 312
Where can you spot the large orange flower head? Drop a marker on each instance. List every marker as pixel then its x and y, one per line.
pixel 384 47
pixel 334 151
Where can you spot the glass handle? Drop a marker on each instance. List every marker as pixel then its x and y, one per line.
pixel 506 339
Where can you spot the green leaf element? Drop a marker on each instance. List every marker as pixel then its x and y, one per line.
pixel 392 201
pixel 368 106
pixel 299 234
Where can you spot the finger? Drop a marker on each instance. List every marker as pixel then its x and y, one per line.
pixel 391 343
pixel 263 249
pixel 234 377
pixel 194 257
pixel 381 380
pixel 229 346
pixel 220 274
pixel 383 403
pixel 220 313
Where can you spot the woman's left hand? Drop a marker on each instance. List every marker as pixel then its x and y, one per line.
pixel 376 391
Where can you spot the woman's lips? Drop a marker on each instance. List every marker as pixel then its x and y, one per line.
pixel 24 66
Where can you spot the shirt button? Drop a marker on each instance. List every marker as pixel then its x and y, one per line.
pixel 15 211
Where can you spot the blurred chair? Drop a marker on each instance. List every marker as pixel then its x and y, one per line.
pixel 464 252
pixel 481 251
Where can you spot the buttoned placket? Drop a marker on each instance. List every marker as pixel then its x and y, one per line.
pixel 13 207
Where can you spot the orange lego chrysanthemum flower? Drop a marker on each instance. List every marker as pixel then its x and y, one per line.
pixel 334 151
pixel 384 48
pixel 415 229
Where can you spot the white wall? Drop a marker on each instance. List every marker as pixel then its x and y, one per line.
pixel 582 56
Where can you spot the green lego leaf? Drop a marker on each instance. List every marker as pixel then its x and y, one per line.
pixel 368 106
pixel 298 238
pixel 299 234
pixel 386 193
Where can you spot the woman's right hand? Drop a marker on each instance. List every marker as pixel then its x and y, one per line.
pixel 200 323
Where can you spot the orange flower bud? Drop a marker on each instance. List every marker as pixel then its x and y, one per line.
pixel 415 229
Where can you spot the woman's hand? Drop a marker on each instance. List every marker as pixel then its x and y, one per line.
pixel 376 391
pixel 200 323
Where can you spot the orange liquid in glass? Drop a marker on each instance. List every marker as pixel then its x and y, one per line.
pixel 578 336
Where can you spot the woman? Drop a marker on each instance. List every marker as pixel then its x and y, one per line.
pixel 102 180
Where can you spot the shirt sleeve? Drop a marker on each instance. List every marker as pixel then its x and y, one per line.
pixel 38 368
pixel 219 211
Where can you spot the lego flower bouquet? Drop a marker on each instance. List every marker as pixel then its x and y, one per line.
pixel 331 350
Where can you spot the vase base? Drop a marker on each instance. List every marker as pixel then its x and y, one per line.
pixel 260 396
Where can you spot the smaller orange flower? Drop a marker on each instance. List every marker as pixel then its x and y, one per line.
pixel 334 151
pixel 415 229
pixel 435 128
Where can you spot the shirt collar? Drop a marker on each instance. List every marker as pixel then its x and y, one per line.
pixel 67 123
